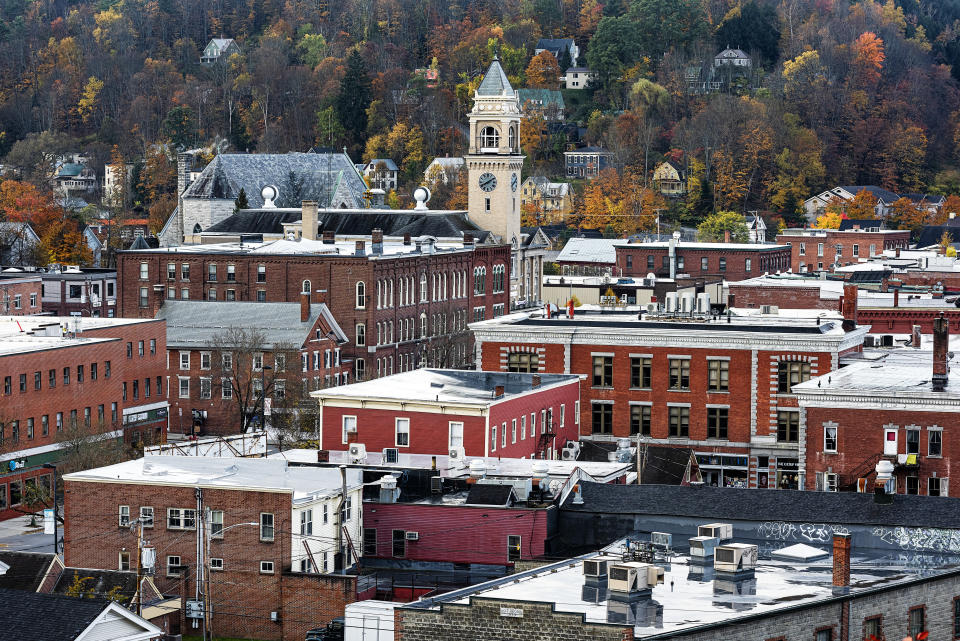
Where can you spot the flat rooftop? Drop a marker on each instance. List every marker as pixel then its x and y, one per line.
pixel 445 385
pixel 691 595
pixel 304 247
pixel 256 474
pixel 833 290
pixel 686 244
pixel 24 334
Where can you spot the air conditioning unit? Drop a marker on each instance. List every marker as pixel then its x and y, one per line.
pixel 595 568
pixel 768 310
pixel 735 557
pixel 688 303
pixel 457 453
pixel 661 539
pixel 391 455
pixel 358 453
pixel 672 300
pixel 722 531
pixel 886 340
pixel 652 308
pixel 633 578
pixel 436 485
pixel 703 303
pixel 568 455
pixel 412 536
pixel 869 341
pixel 702 548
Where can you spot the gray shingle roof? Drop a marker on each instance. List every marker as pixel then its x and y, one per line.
pixel 256 221
pixel 320 173
pixel 720 503
pixel 495 82
pixel 197 324
pixel 398 223
pixel 29 615
pixel 880 193
pixel 26 570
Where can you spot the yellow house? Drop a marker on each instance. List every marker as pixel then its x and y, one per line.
pixel 553 201
pixel 669 179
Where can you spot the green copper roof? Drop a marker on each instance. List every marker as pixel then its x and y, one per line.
pixel 495 81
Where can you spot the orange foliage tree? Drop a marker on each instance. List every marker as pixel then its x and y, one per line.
pixel 904 214
pixel 868 57
pixel 620 203
pixel 543 72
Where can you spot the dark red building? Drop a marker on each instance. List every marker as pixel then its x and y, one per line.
pixel 730 261
pixel 20 295
pixel 427 411
pixel 102 375
pixel 820 249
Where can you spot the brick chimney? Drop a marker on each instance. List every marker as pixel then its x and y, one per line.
pixel 158 298
pixel 726 235
pixel 849 307
pixel 360 248
pixel 498 391
pixel 376 241
pixel 304 307
pixel 328 237
pixel 916 339
pixel 535 382
pixel 896 297
pixel 467 239
pixel 897 252
pixel 841 563
pixel 308 219
pixel 941 345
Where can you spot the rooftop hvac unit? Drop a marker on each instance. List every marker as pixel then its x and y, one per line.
pixel 568 455
pixel 595 568
pixel 521 487
pixel 436 485
pixel 688 303
pixel 886 340
pixel 391 455
pixel 672 302
pixel 702 547
pixel 768 310
pixel 412 536
pixel 457 453
pixel 723 531
pixel 869 341
pixel 735 557
pixel 633 578
pixel 358 453
pixel 661 539
pixel 652 308
pixel 703 303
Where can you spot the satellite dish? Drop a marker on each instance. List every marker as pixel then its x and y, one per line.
pixel 555 486
pixel 269 194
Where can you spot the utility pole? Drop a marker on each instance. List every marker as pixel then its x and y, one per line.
pixel 208 605
pixel 201 561
pixel 138 593
pixel 56 536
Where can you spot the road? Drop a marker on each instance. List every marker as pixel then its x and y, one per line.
pixel 16 535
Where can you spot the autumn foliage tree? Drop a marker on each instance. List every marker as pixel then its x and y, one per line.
pixel 619 203
pixel 715 227
pixel 543 72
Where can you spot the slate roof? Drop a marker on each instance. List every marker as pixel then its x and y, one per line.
pixel 880 193
pixel 69 170
pixel 145 242
pixel 26 570
pixel 388 163
pixel 321 173
pixel 100 581
pixel 489 494
pixel 931 234
pixel 931 199
pixel 863 223
pixel 541 97
pixel 729 54
pixel 256 221
pixel 495 82
pixel 555 45
pixel 29 615
pixel 723 503
pixel 397 222
pixel 196 324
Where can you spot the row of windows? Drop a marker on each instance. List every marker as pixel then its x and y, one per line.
pixel 175 568
pixel 546 425
pixel 873 625
pixel 891 438
pixel 13 430
pixel 766 263
pixel 854 250
pixel 641 372
pixel 184 272
pixel 398 544
pixel 19 489
pixel 52 377
pixel 256 361
pixel 18 301
pixel 135 385
pixel 678 421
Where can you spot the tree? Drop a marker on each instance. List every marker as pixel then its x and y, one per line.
pixel 665 24
pixel 354 97
pixel 750 27
pixel 35 156
pixel 714 228
pixel 614 47
pixel 868 58
pixel 905 214
pixel 180 127
pixel 863 205
pixel 241 201
pixel 543 72
pixel 828 220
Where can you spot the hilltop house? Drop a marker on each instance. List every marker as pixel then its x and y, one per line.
pixel 219 48
pixel 558 47
pixel 669 179
pixel 552 201
pixel 381 173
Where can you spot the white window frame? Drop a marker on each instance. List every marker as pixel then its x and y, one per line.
pixel 890 445
pixel 272 526
pixel 216 564
pixel 216 519
pixel 826 440
pixel 184 360
pixel 147 517
pixel 183 388
pixel 123 516
pixel 171 564
pixel 401 428
pixel 344 421
pixel 930 432
pixel 266 567
pixel 453 439
pixel 306 522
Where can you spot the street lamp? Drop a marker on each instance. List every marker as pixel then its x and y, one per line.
pixel 263 396
pixel 51 466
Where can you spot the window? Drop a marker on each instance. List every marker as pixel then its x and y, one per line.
pixel 37 380
pixel 718 375
pixel 146 516
pixel 124 562
pixel 523 362
pixel 936 486
pixel 651 261
pixel 872 627
pixel 717 422
pixel 934 442
pixel 45 424
pixel 403 432
pixel 747 265
pixel 361 335
pixel 360 369
pixel 266 526
pixel 956 617
pixel 226 388
pixel 216 564
pixel 602 418
pixel 826 634
pixel 913 485
pixel 173 566
pixel 7 385
pixel 788 427
pixel 603 371
pixel 261 273
pixel 185 271
pixel 916 621
pixel 513 547
pixel 361 295
pixel 829 438
pixel 704 264
pixel 184 386
pixel 493 438
pixel 349 426
pixel 640 372
pixel 144 271
pixel 184 360
pixel 369 541
pixel 790 373
pixel 348 509
pixel 723 264
pixel 306 522
pixel 913 440
pixel 856 251
pixel 640 420
pixel 216 524
pixel 503 434
pixel 266 567
pixel 231 273
pixel 399 544
pixel 106 364
pixel 479 284
pixel 679 373
pixel 180 519
pixel 144 297
pixel 679 421
pixel 204 388
pixel 204 360
pixel 124 516
pixel 79 373
pixel 489 138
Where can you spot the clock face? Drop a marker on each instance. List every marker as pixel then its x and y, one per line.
pixel 488 182
pixel 514 182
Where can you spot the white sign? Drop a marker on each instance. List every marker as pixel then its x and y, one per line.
pixel 267 406
pixel 514 613
pixel 48 521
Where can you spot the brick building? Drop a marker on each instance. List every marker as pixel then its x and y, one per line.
pixel 100 375
pixel 431 411
pixel 721 386
pixel 222 354
pixel 820 249
pixel 274 536
pixel 729 261
pixel 401 304
pixel 20 295
pixel 72 291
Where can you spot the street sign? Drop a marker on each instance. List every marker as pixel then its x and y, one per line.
pixel 48 521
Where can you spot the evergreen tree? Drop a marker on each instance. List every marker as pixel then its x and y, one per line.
pixel 241 201
pixel 354 97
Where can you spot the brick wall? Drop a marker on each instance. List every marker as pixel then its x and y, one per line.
pixel 313 600
pixel 805 251
pixel 755 296
pixel 19 297
pixel 729 263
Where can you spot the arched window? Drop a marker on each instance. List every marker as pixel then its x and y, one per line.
pixel 390 284
pixel 390 338
pixel 479 276
pixel 361 295
pixel 513 139
pixel 489 138
pixel 443 286
pixel 379 294
pixel 306 288
pixel 423 287
pixel 379 333
pixel 423 325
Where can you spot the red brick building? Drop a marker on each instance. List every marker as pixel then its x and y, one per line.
pixel 256 521
pixel 820 249
pixel 884 409
pixel 401 304
pixel 427 411
pixel 20 295
pixel 721 386
pixel 288 348
pixel 729 261
pixel 106 376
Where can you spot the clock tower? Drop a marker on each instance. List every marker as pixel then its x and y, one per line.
pixel 494 160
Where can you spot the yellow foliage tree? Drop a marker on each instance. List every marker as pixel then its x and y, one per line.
pixel 88 100
pixel 828 220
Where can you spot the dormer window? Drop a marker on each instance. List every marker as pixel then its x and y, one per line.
pixel 489 139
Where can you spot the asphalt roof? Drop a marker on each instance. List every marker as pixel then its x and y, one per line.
pixel 727 503
pixel 320 173
pixel 863 223
pixel 495 82
pixel 256 221
pixel 101 582
pixel 399 222
pixel 490 494
pixel 26 571
pixel 46 617
pixel 879 192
